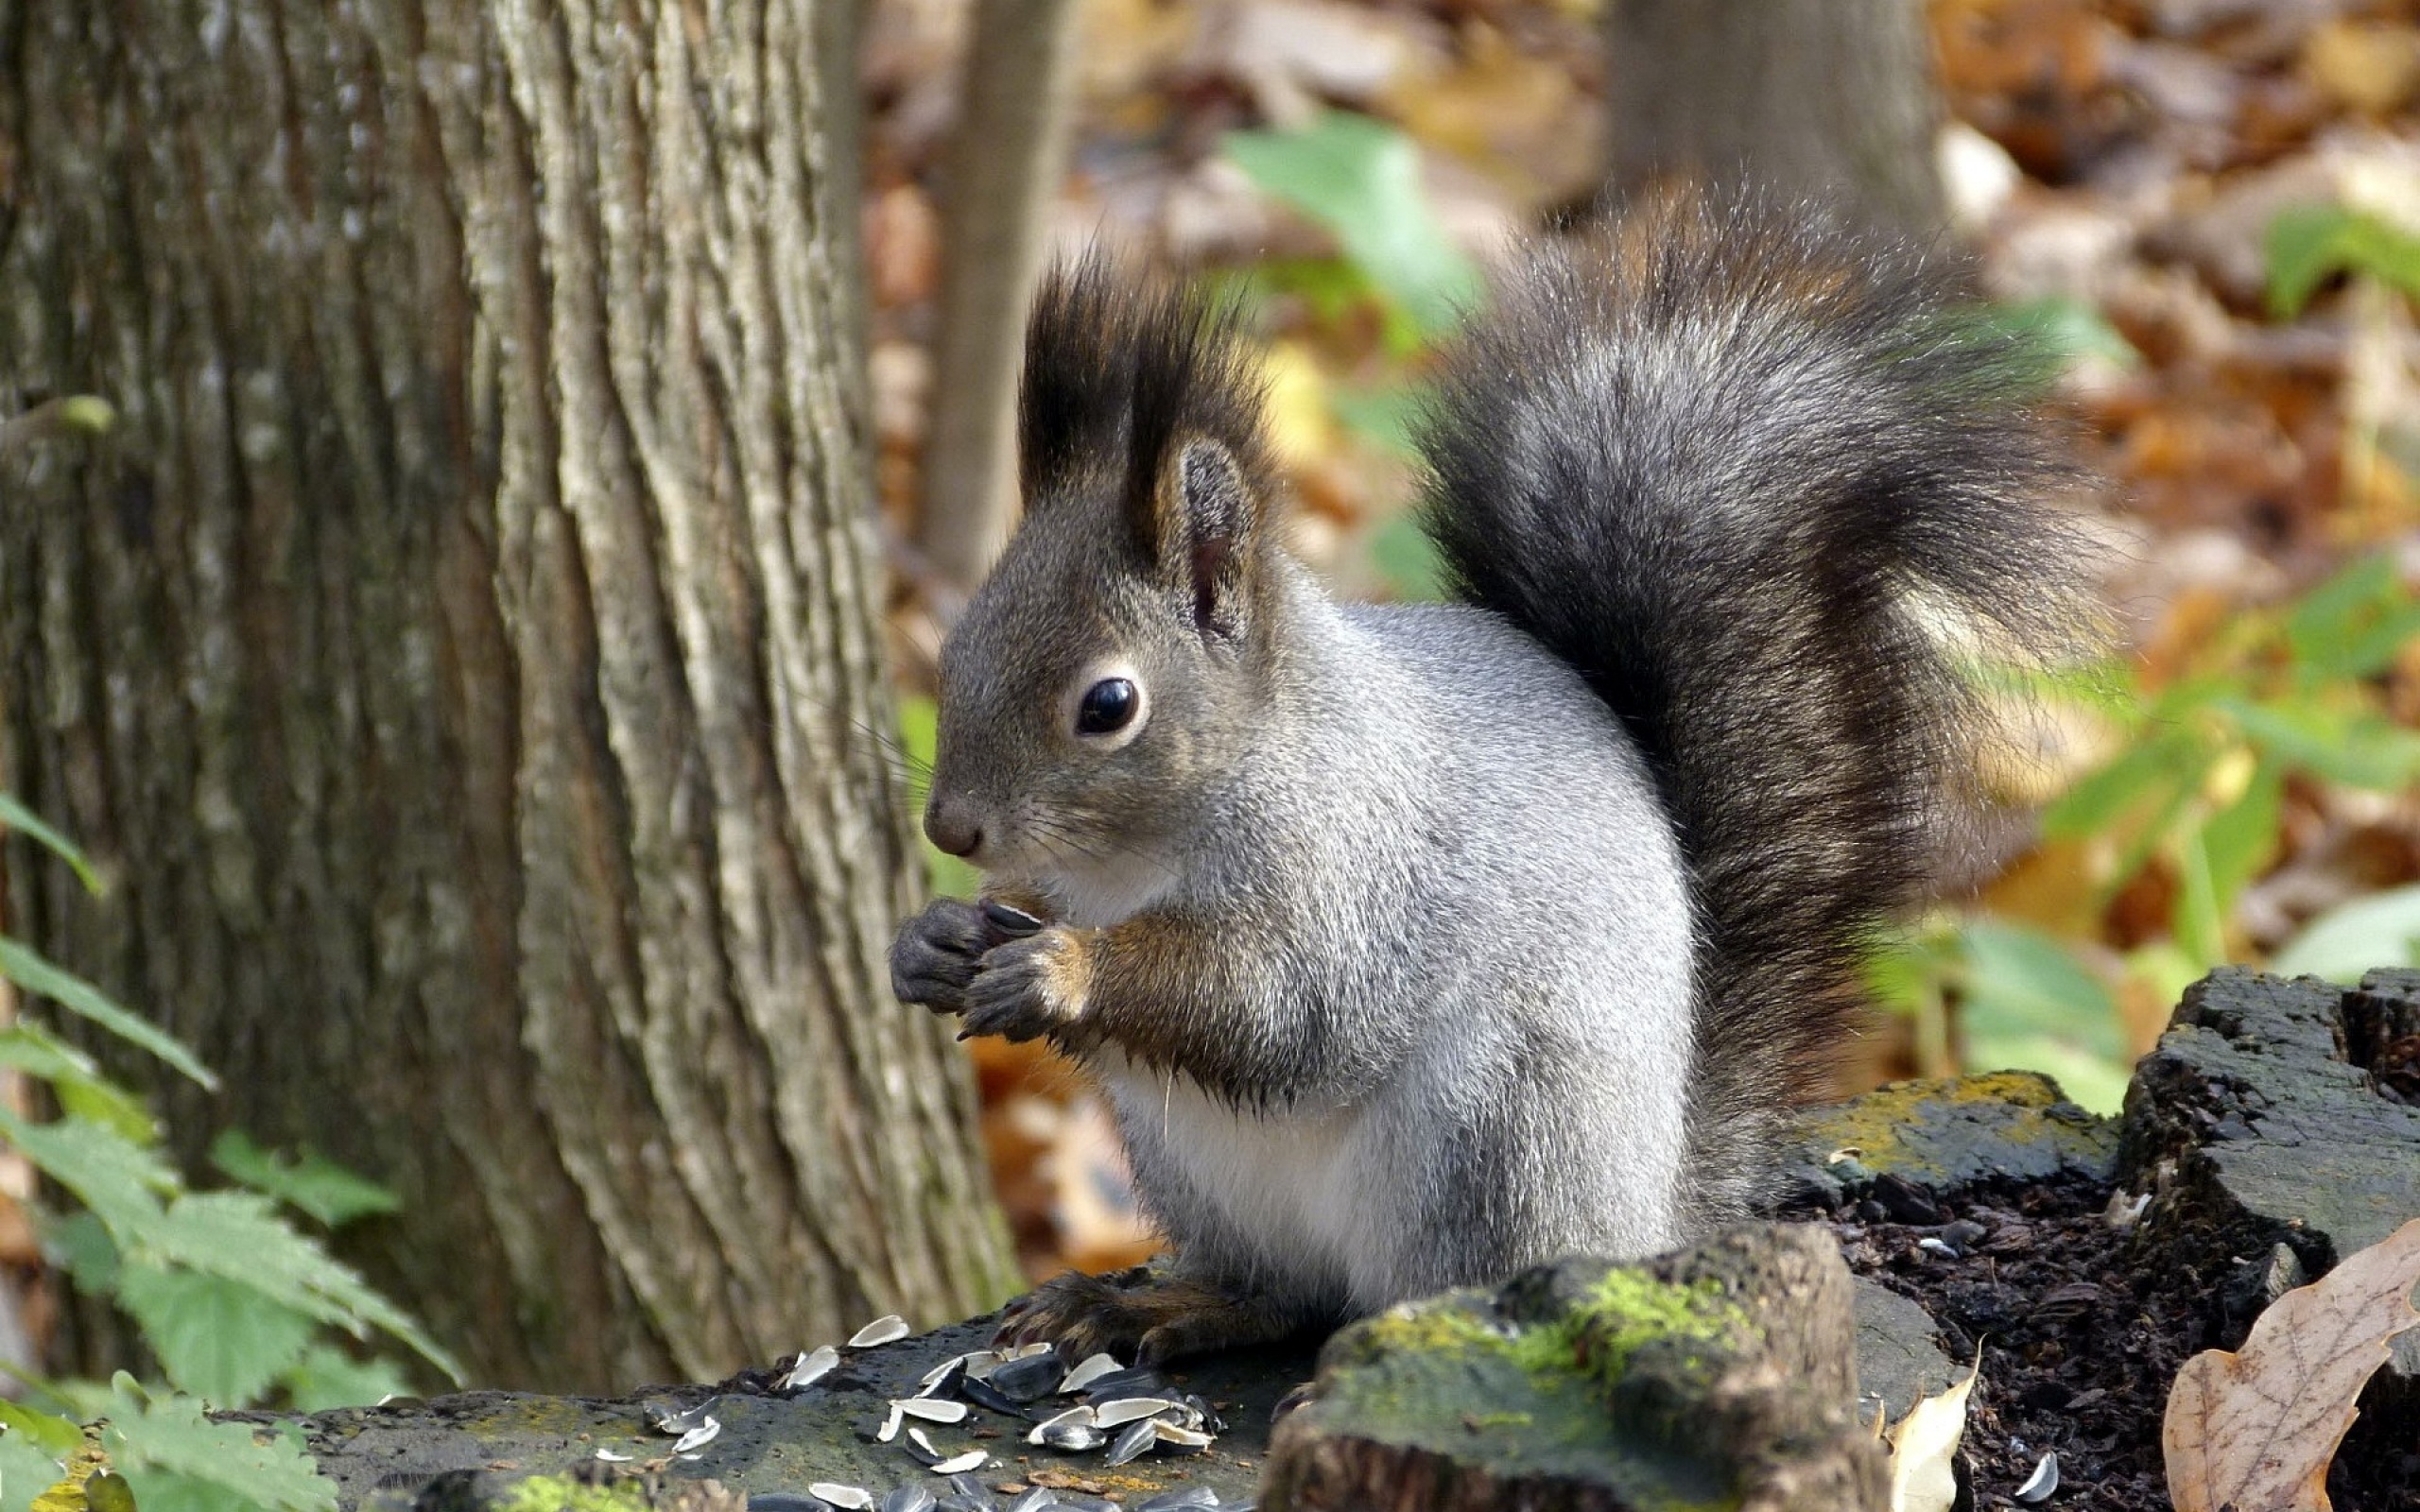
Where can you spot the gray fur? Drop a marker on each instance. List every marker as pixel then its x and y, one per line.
pixel 1518 971
pixel 1457 993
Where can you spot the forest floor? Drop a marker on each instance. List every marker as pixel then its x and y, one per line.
pixel 2085 1334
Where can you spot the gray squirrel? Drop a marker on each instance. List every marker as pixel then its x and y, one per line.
pixel 1416 944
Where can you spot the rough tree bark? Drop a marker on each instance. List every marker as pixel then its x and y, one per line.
pixel 1828 100
pixel 463 649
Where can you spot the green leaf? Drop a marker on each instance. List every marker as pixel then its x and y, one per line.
pixel 310 1181
pixel 26 1471
pixel 2020 981
pixel 1387 418
pixel 76 1082
pixel 107 1103
pixel 2354 623
pixel 119 1180
pixel 216 1337
pixel 241 1235
pixel 2380 930
pixel 37 1052
pixel 1908 965
pixel 29 971
pixel 1360 180
pixel 2195 919
pixel 53 1434
pixel 1407 559
pixel 2156 768
pixel 2031 1005
pixel 2353 747
pixel 327 1377
pixel 2241 839
pixel 1331 288
pixel 2066 329
pixel 2165 969
pixel 2310 244
pixel 15 816
pixel 81 1243
pixel 176 1458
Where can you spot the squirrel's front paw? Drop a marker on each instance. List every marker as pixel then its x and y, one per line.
pixel 1029 987
pixel 935 955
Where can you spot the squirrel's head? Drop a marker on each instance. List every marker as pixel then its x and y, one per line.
pixel 1110 668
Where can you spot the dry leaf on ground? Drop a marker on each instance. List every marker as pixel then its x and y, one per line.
pixel 1924 1449
pixel 2255 1431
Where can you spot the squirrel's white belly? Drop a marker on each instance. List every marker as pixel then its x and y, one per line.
pixel 1291 1187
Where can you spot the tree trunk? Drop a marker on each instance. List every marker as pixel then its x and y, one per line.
pixel 463 650
pixel 1827 100
pixel 1007 153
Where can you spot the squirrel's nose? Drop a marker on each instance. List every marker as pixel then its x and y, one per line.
pixel 952 828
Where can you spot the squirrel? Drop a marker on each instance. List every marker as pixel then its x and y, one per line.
pixel 1416 944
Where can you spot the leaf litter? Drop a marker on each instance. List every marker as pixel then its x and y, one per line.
pixel 2258 1428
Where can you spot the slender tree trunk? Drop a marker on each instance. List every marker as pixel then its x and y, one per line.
pixel 1007 156
pixel 463 651
pixel 1828 100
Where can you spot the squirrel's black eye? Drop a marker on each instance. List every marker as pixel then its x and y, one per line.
pixel 1108 705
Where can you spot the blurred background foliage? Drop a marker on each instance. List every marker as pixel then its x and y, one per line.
pixel 2210 213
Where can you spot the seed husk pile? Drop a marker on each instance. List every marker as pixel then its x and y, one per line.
pixel 1096 1406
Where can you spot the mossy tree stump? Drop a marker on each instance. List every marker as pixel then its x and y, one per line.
pixel 1719 1376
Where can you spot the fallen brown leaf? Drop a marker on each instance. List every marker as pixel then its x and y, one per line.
pixel 2255 1431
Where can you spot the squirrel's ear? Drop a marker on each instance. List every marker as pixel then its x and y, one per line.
pixel 1206 516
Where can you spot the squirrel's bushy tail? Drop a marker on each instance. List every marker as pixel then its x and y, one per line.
pixel 1772 488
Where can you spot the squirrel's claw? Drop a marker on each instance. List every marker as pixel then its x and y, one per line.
pixel 1152 1322
pixel 935 955
pixel 1028 988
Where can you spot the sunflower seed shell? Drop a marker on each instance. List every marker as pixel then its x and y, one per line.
pixel 811 1367
pixel 1177 1434
pixel 1092 1369
pixel 1131 1444
pixel 1072 1417
pixel 1126 1409
pixel 2043 1483
pixel 885 1330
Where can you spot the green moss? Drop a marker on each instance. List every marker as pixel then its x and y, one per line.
pixel 1628 1310
pixel 1533 1401
pixel 538 1415
pixel 1944 1133
pixel 560 1493
pixel 1624 1311
pixel 1441 1327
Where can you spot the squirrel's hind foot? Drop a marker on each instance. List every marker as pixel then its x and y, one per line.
pixel 1150 1319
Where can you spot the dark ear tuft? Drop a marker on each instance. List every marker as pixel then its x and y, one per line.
pixel 1120 376
pixel 1215 511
